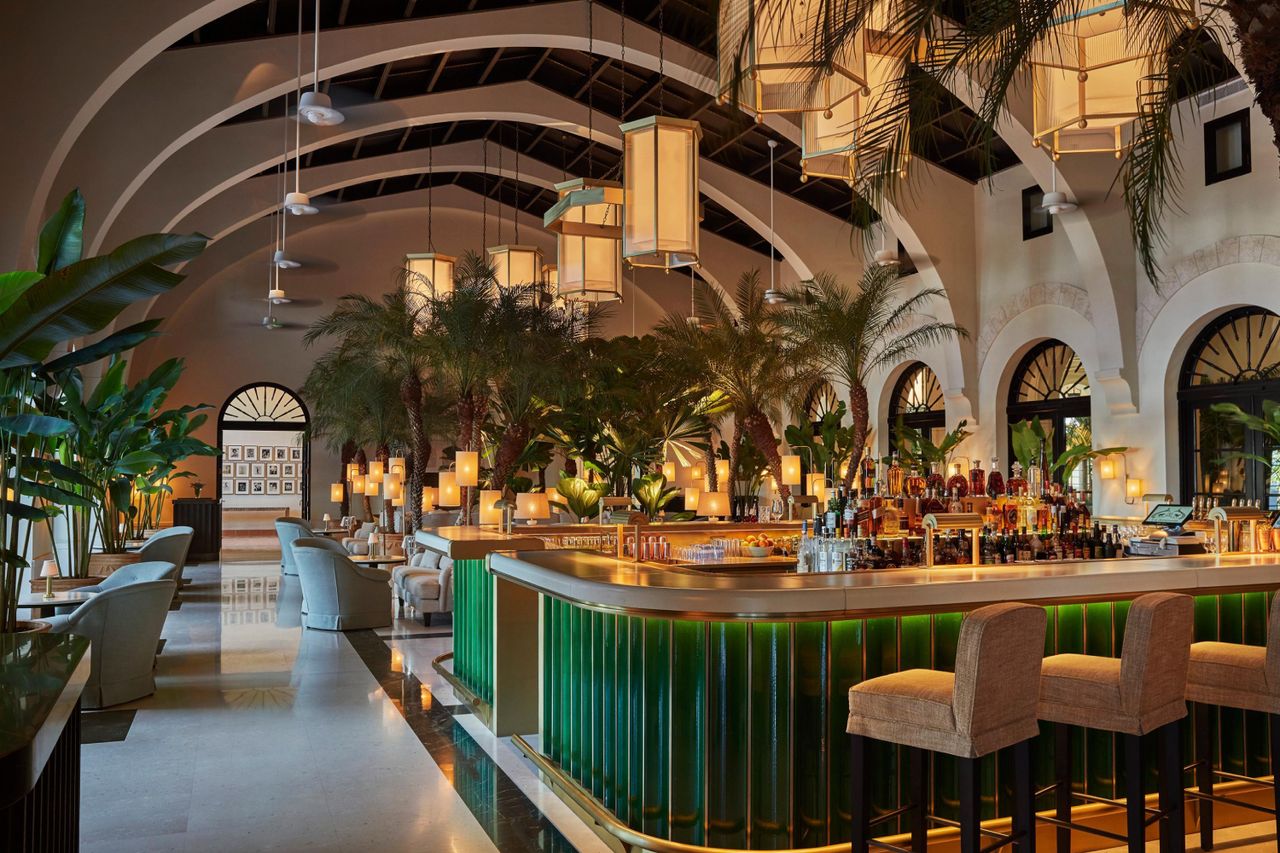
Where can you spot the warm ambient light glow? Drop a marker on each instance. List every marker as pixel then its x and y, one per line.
pixel 660 184
pixel 49 569
pixel 336 493
pixel 353 470
pixel 532 506
pixel 1132 489
pixel 398 465
pixel 790 470
pixel 714 504
pixel 372 486
pixel 1106 468
pixel 428 498
pixel 588 222
pixel 669 471
pixel 697 471
pixel 691 497
pixel 722 472
pixel 449 494
pixel 489 512
pixel 357 484
pixel 394 488
pixel 514 266
pixel 817 487
pixel 376 470
pixel 466 465
pixel 429 274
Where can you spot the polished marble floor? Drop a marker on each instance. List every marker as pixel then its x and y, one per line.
pixel 262 736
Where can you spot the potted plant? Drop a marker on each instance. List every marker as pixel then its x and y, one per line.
pixel 66 297
pixel 581 499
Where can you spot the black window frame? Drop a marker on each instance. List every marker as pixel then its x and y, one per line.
pixel 1033 196
pixel 922 422
pixel 1056 411
pixel 1211 174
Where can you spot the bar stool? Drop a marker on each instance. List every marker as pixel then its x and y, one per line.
pixel 1231 675
pixel 989 703
pixel 1140 692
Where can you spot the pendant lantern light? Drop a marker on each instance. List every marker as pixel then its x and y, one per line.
pixel 767 60
pixel 297 202
pixel 315 106
pixel 551 277
pixel 772 296
pixel 588 222
pixel 660 185
pixel 515 264
pixel 281 259
pixel 429 273
pixel 1087 78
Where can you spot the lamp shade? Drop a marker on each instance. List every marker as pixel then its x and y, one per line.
pixel 767 59
pixel 514 266
pixel 791 470
pixel 428 498
pixel 714 504
pixel 357 484
pixel 372 486
pixel 398 465
pixel 660 190
pixel 1132 488
pixel 841 143
pixel 353 470
pixel 669 471
pixel 588 222
pixel 49 569
pixel 398 500
pixel 1106 468
pixel 376 469
pixel 697 471
pixel 490 513
pixel 692 497
pixel 429 274
pixel 393 488
pixel 532 506
pixel 449 495
pixel 466 465
pixel 722 472
pixel 817 486
pixel 336 493
pixel 551 277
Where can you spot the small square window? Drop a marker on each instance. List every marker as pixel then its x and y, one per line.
pixel 1226 148
pixel 906 266
pixel 1036 222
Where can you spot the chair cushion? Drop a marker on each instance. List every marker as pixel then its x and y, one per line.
pixel 1081 690
pixel 424 586
pixel 1231 675
pixel 912 708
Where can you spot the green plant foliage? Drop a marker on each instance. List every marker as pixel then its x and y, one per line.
pixel 652 493
pixel 1268 424
pixel 918 450
pixel 1028 439
pixel 581 499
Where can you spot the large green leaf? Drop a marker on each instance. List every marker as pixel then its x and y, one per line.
pixel 114 344
pixel 138 462
pixel 41 425
pixel 14 284
pixel 84 297
pixel 62 237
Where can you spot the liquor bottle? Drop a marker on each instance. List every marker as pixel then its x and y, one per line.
pixel 935 480
pixel 868 477
pixel 995 480
pixel 1017 484
pixel 916 483
pixel 895 476
pixel 958 484
pixel 977 479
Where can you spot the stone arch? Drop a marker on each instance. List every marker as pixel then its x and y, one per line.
pixel 1044 293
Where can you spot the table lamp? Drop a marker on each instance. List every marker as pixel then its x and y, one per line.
pixel 466 467
pixel 691 497
pixel 714 504
pixel 532 506
pixel 49 571
pixel 490 512
pixel 449 495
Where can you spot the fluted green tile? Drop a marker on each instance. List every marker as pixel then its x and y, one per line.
pixel 812 748
pixel 688 731
pixel 770 740
pixel 728 707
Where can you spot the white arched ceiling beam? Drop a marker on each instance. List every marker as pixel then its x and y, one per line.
pixel 64 74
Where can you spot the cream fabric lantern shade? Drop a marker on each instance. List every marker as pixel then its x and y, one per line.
pixel 372 486
pixel 1086 79
pixel 466 464
pixel 429 273
pixel 336 493
pixel 692 497
pixel 516 266
pixel 660 191
pixel 790 470
pixel 393 487
pixel 376 470
pixel 766 60
pixel 588 223
pixel 490 513
pixel 843 144
pixel 398 465
pixel 714 504
pixel 697 471
pixel 817 486
pixel 449 495
pixel 551 277
pixel 722 472
pixel 669 471
pixel 357 484
pixel 428 498
pixel 353 470
pixel 532 506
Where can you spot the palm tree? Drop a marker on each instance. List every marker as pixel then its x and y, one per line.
pixel 992 41
pixel 387 332
pixel 853 333
pixel 745 359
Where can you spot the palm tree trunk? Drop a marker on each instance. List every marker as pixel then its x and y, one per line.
pixel 513 442
pixel 1257 27
pixel 466 416
pixel 479 411
pixel 757 426
pixel 347 455
pixel 734 446
pixel 860 411
pixel 709 459
pixel 420 446
pixel 362 460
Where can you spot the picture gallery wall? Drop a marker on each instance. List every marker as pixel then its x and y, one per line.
pixel 262 468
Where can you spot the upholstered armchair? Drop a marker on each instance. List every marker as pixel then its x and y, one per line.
pixel 168 546
pixel 289 530
pixel 152 570
pixel 359 543
pixel 338 594
pixel 425 583
pixel 438 518
pixel 123 624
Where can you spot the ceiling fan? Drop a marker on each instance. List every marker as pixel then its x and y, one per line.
pixel 1054 202
pixel 315 106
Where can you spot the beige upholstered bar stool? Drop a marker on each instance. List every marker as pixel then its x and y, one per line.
pixel 1138 693
pixel 989 703
pixel 1231 675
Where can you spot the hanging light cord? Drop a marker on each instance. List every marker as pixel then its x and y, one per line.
pixel 773 147
pixel 662 56
pixel 515 211
pixel 498 186
pixel 431 245
pixel 484 198
pixel 591 88
pixel 315 84
pixel 622 77
pixel 297 129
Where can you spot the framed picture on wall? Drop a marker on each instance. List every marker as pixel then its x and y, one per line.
pixel 242 470
pixel 228 469
pixel 228 486
pixel 291 487
pixel 264 452
pixel 273 487
pixel 282 453
pixel 242 487
pixel 273 471
pixel 258 470
pixel 289 470
pixel 251 452
pixel 295 453
pixel 231 452
pixel 257 487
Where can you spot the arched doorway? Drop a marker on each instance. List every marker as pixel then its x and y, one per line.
pixel 1235 359
pixel 265 420
pixel 917 402
pixel 1050 385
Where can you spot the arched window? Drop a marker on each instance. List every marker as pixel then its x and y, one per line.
pixel 1050 385
pixel 1236 359
pixel 820 400
pixel 265 455
pixel 917 402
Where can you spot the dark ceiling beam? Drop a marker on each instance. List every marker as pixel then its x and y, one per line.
pixel 404 139
pixel 382 81
pixel 408 7
pixel 644 96
pixel 342 12
pixel 435 78
pixel 733 140
pixel 493 60
pixel 592 78
pixel 537 66
pixel 272 9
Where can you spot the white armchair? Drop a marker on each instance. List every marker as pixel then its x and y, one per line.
pixel 152 570
pixel 359 544
pixel 170 546
pixel 429 590
pixel 288 531
pixel 339 595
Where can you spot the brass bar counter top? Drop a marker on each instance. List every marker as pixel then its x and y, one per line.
pixel 685 592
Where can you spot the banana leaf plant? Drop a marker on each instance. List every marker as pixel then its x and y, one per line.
pixel 581 499
pixel 64 298
pixel 652 493
pixel 1028 440
pixel 172 439
pixel 1268 425
pixel 830 448
pixel 917 449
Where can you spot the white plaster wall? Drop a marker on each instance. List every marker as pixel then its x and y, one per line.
pixel 270 439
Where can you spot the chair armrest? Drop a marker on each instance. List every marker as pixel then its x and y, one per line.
pixel 373 574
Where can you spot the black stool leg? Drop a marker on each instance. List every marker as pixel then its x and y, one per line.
pixel 919 800
pixel 970 805
pixel 1062 790
pixel 1135 794
pixel 1024 800
pixel 860 801
pixel 1273 722
pixel 1204 773
pixel 1173 823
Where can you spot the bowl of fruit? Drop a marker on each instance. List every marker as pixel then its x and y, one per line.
pixel 758 545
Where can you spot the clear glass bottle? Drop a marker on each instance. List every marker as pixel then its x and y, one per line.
pixel 896 476
pixel 977 479
pixel 1017 485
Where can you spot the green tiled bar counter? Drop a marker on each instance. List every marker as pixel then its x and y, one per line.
pixel 709 709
